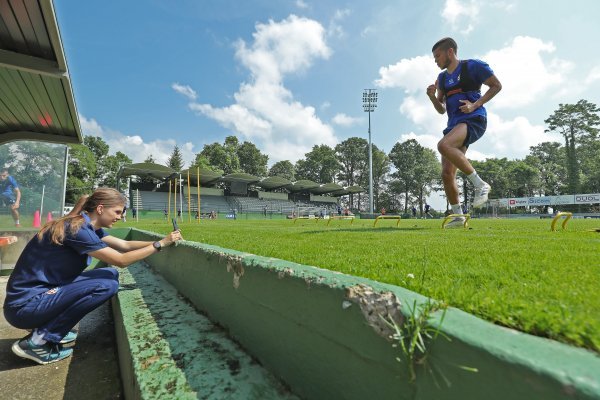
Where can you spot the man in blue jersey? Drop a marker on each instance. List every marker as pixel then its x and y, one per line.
pixel 458 93
pixel 10 194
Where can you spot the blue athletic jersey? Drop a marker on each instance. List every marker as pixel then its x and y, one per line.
pixel 8 186
pixel 44 265
pixel 479 72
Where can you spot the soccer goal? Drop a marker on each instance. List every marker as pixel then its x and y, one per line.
pixel 307 212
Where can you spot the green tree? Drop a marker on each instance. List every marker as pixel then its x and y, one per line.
pixel 284 169
pixel 352 156
pixel 495 172
pixel 150 159
pixel 252 161
pixel 525 179
pixel 222 157
pixel 80 172
pixel 405 157
pixel 549 159
pixel 175 160
pixel 576 123
pixel 590 165
pixel 320 165
pixel 381 169
pixel 97 145
pixel 427 174
pixel 111 165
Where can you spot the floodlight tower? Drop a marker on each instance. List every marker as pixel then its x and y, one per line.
pixel 369 105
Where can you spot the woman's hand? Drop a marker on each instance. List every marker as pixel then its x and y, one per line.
pixel 171 238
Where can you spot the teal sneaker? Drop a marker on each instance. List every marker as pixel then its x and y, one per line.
pixel 69 337
pixel 43 354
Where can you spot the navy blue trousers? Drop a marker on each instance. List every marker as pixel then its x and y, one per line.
pixel 55 312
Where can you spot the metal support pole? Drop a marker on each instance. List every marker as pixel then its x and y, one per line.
pixel 369 105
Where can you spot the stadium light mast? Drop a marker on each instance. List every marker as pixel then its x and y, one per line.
pixel 369 105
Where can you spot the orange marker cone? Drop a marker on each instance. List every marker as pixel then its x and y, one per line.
pixel 49 217
pixel 37 221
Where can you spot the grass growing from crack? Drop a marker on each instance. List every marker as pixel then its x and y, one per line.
pixel 415 334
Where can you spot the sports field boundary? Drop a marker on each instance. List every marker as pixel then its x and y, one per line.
pixel 319 331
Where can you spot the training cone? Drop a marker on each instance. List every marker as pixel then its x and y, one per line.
pixel 49 217
pixel 37 221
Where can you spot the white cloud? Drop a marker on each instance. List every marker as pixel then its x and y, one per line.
pixel 184 90
pixel 412 74
pixel 512 138
pixel 265 110
pixel 457 13
pixel 429 141
pixel 526 75
pixel 593 76
pixel 335 29
pixel 134 146
pixel 301 4
pixel 346 121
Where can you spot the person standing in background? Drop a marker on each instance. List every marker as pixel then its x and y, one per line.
pixel 10 194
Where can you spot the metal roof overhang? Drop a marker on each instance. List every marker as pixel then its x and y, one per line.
pixel 240 177
pixel 326 188
pixel 207 176
pixel 151 170
pixel 349 190
pixel 36 98
pixel 273 182
pixel 302 185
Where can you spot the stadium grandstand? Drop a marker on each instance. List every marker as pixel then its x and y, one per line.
pixel 152 187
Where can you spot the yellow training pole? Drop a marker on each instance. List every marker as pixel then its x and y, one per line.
pixel 169 202
pixel 189 198
pixel 175 201
pixel 198 182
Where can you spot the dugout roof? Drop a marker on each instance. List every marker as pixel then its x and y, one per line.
pixel 326 188
pixel 273 182
pixel 144 170
pixel 36 98
pixel 302 185
pixel 240 177
pixel 207 176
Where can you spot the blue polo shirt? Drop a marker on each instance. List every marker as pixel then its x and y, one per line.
pixel 479 72
pixel 8 186
pixel 44 265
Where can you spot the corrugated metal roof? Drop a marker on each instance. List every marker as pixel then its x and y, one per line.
pixel 36 98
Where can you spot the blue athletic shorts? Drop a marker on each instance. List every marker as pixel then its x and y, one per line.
pixel 475 129
pixel 7 200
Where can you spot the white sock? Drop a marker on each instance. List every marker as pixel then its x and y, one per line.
pixel 37 339
pixel 456 208
pixel 17 222
pixel 475 179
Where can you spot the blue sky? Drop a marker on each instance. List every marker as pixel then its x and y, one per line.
pixel 287 75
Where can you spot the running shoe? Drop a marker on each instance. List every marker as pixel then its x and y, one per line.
pixel 69 337
pixel 43 354
pixel 481 195
pixel 457 222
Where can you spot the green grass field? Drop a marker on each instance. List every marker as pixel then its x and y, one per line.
pixel 516 273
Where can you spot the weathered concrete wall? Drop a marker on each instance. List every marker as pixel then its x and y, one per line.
pixel 316 330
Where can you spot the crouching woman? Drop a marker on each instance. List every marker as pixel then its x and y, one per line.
pixel 49 292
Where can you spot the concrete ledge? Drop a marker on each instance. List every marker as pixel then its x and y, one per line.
pixel 318 331
pixel 168 350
